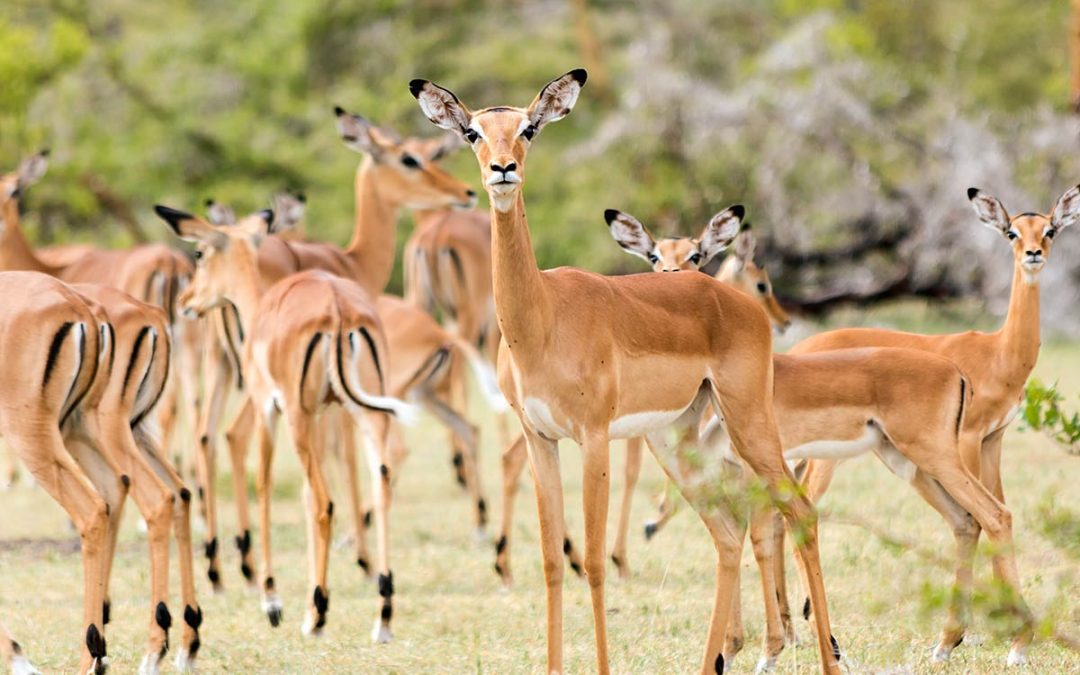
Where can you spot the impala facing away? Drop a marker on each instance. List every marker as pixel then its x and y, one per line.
pixel 562 326
pixel 998 365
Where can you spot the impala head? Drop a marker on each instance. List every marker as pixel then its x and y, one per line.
pixel 500 136
pixel 289 210
pixel 218 213
pixel 691 253
pixel 406 170
pixel 12 184
pixel 223 254
pixel 1030 234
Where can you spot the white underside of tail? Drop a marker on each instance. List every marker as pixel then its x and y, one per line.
pixel 835 449
pixel 406 413
pixel 144 396
pixel 20 665
pixel 485 375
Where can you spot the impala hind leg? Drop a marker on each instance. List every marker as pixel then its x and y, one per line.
pixel 375 427
pixel 181 524
pixel 206 469
pixel 320 518
pixel 513 461
pixel 465 433
pixel 42 450
pixel 631 474
pixel 996 521
pixel 544 463
pixel 238 438
pixel 13 655
pixel 347 439
pixel 265 427
pixel 816 476
pixel 966 533
pixel 752 427
pixel 762 522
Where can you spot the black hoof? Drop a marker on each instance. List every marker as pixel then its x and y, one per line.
pixel 274 614
pixel 650 530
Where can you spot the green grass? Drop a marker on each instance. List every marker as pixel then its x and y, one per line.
pixel 451 618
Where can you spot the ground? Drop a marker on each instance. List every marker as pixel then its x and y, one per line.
pixel 450 616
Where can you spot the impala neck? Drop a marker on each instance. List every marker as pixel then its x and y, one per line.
pixel 1020 334
pixel 521 301
pixel 15 251
pixel 245 294
pixel 375 233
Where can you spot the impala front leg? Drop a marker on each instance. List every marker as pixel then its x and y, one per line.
pixel 596 476
pixel 238 438
pixel 544 462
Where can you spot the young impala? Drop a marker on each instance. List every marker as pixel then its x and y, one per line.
pixel 998 365
pixel 576 357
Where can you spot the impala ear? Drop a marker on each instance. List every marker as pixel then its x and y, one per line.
pixel 32 169
pixel 219 214
pixel 289 210
pixel 357 133
pixel 448 144
pixel 442 107
pixel 745 244
pixel 191 228
pixel 989 210
pixel 557 98
pixel 1067 209
pixel 257 226
pixel 628 232
pixel 721 231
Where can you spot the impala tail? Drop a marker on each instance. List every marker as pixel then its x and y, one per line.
pixel 349 348
pixel 485 375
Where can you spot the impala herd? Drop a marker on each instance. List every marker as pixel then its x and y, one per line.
pixel 305 332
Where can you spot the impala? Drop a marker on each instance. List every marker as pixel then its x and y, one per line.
pixel 998 365
pixel 575 361
pixel 311 339
pixel 667 255
pixel 136 336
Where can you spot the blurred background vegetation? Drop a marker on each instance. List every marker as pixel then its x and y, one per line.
pixel 849 128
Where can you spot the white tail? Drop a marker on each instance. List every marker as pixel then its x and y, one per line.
pixel 351 390
pixel 485 375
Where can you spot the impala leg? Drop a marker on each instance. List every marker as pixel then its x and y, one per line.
pixel 13 655
pixel 753 432
pixel 631 474
pixel 735 633
pixel 375 429
pixel 669 506
pixel 990 464
pixel 181 524
pixel 347 433
pixel 220 377
pixel 466 434
pixel 816 476
pixel 238 438
pixel 265 426
pixel 513 461
pixel 996 520
pixel 596 474
pixel 42 451
pixel 762 522
pixel 544 463
pixel 966 533
pixel 320 512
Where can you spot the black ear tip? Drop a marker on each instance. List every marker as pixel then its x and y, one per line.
pixel 170 215
pixel 415 86
pixel 339 111
pixel 301 197
pixel 745 227
pixel 738 210
pixel 267 215
pixel 44 152
pixel 610 215
pixel 580 75
pixel 973 192
pixel 209 201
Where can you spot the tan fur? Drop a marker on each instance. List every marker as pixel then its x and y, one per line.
pixel 558 325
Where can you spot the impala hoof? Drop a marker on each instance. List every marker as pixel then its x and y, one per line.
pixel 1017 657
pixel 765 664
pixel 941 654
pixel 20 665
pixel 381 634
pixel 650 530
pixel 149 665
pixel 184 662
pixel 273 609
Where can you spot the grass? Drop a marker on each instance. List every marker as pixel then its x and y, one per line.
pixel 451 618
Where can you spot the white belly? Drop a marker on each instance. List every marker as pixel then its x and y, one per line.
pixel 639 424
pixel 834 449
pixel 540 417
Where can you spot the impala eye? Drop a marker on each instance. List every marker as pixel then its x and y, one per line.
pixel 762 288
pixel 471 135
pixel 1011 235
pixel 653 258
pixel 410 161
pixel 198 254
pixel 529 132
pixel 1050 233
pixel 695 259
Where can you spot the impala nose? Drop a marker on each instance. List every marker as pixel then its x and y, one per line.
pixel 512 166
pixel 1034 254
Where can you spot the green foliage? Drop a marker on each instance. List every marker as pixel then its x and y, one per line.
pixel 1042 412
